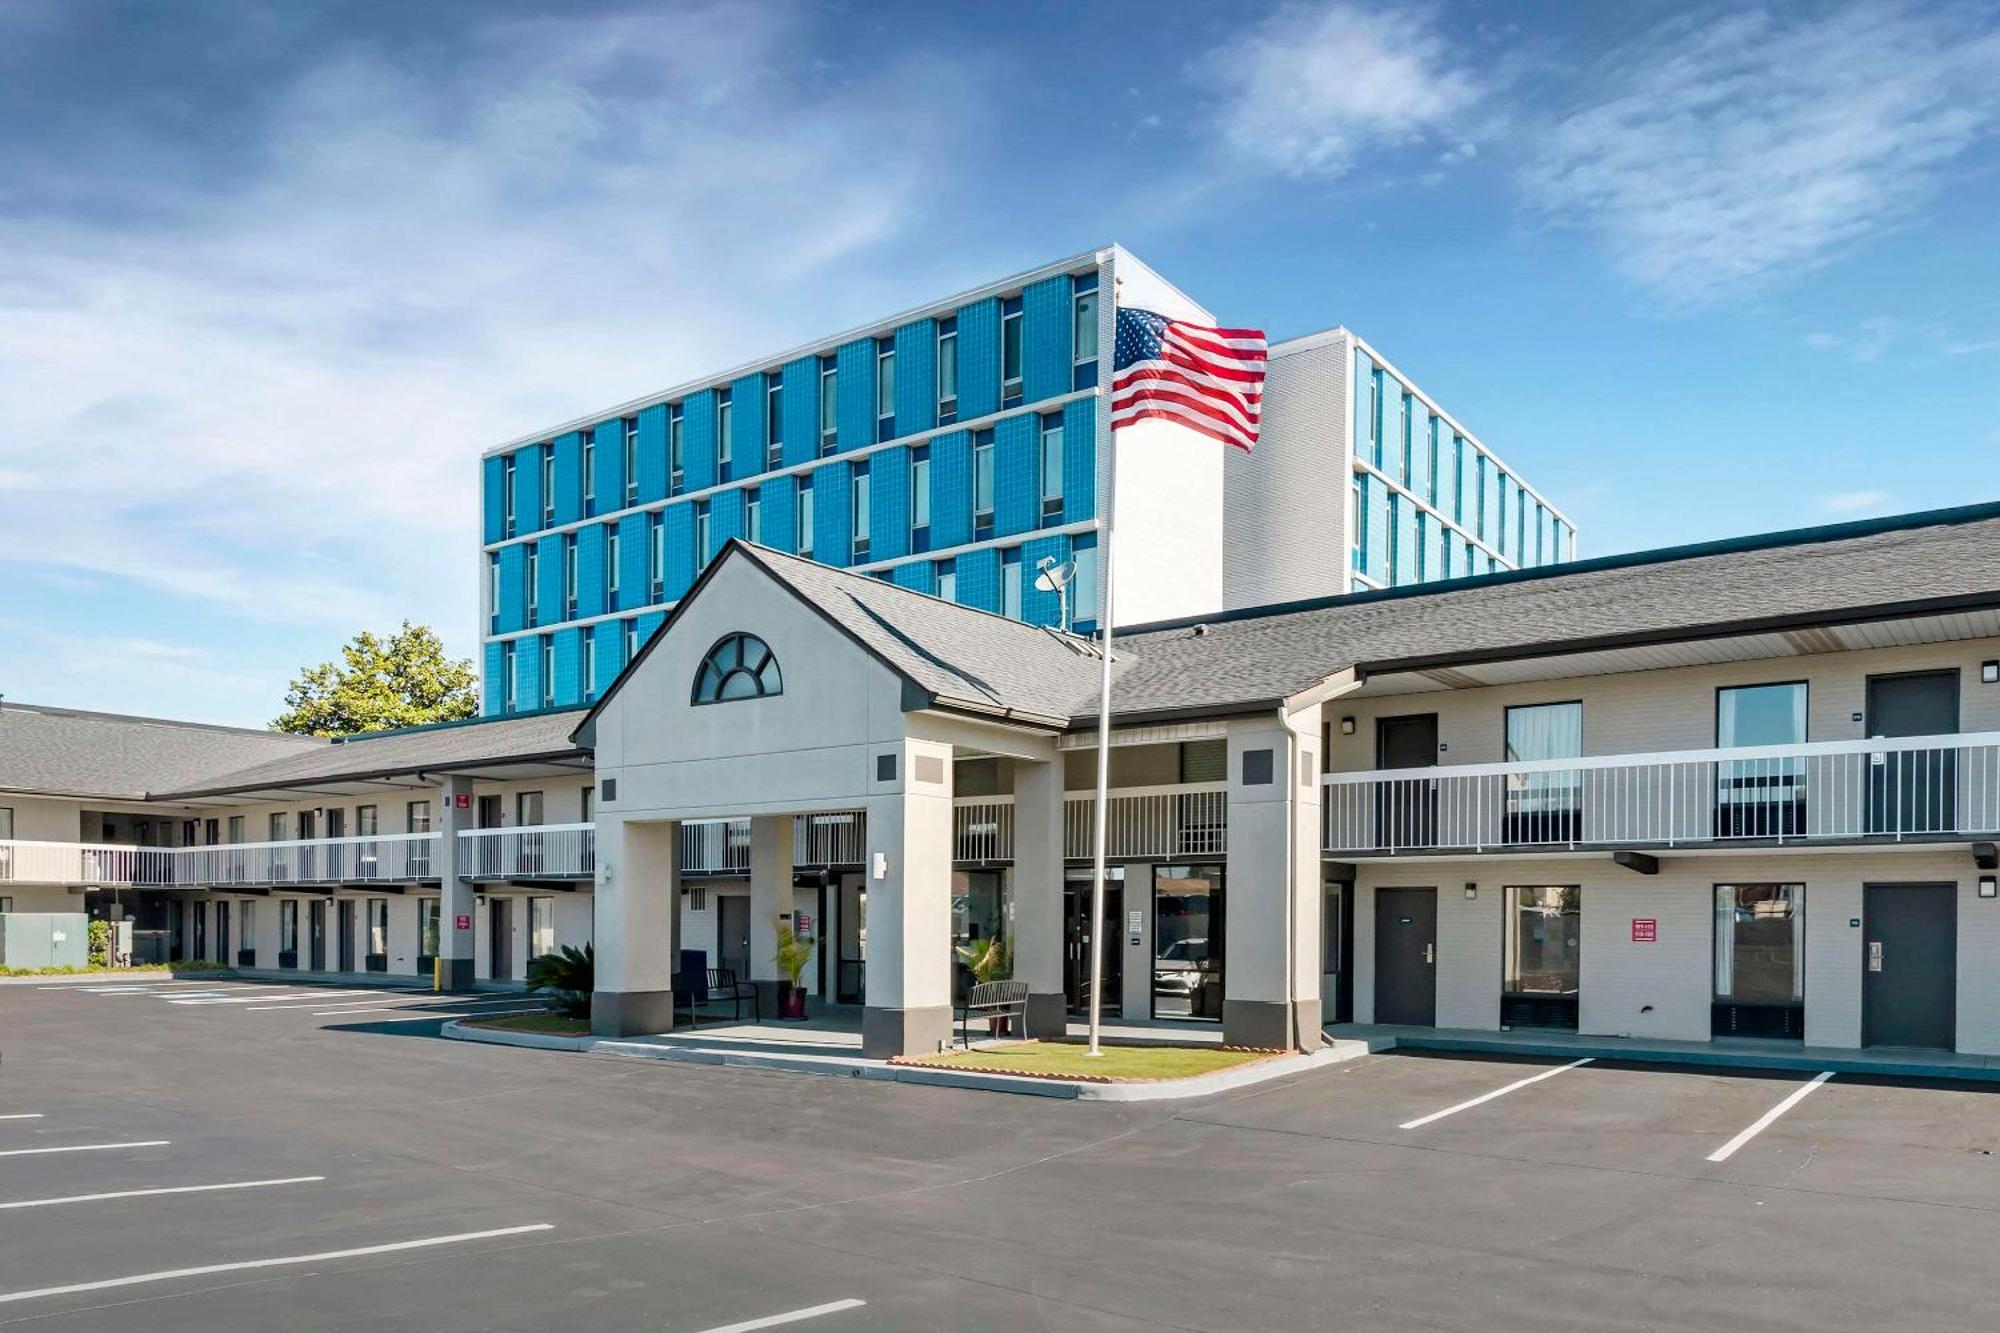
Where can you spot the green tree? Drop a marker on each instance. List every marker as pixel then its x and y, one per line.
pixel 404 681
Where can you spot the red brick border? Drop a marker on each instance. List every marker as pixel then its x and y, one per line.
pixel 932 1062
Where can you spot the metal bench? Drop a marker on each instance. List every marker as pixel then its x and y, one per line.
pixel 993 999
pixel 716 984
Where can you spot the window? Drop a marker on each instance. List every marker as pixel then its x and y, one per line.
pixel 805 517
pixel 629 460
pixel 1010 352
pixel 534 566
pixel 947 371
pixel 378 927
pixel 1543 941
pixel 493 591
pixel 366 821
pixel 885 389
pixel 859 489
pixel 982 484
pixel 247 922
pixel 1423 544
pixel 1010 585
pixel 612 560
pixel 753 516
pixel 947 580
pixel 1356 551
pixel 527 809
pixel 829 406
pixel 920 500
pixel 656 555
pixel 774 419
pixel 507 490
pixel 509 676
pixel 590 467
pixel 569 576
pixel 676 449
pixel 235 829
pixel 738 667
pixel 1052 466
pixel 541 926
pixel 1375 397
pixel 428 914
pixel 1760 798
pixel 589 805
pixel 288 932
pixel 548 672
pixel 1389 574
pixel 1760 960
pixel 631 632
pixel 725 426
pixel 1188 944
pixel 1083 334
pixel 548 485
pixel 417 817
pixel 1544 806
pixel 1083 606
pixel 589 664
pixel 701 528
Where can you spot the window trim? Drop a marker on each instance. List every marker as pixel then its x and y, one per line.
pixel 739 639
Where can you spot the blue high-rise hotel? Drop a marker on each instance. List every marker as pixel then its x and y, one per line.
pixel 952 449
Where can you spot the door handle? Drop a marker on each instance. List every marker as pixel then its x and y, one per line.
pixel 1430 953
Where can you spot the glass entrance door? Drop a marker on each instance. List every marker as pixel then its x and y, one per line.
pixel 1188 929
pixel 851 985
pixel 1077 936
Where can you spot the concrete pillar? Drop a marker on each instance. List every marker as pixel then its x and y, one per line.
pixel 770 894
pixel 1038 895
pixel 908 878
pixel 457 943
pixel 1271 947
pixel 638 879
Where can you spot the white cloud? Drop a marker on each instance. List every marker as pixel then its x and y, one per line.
pixel 1721 153
pixel 271 395
pixel 1854 502
pixel 1310 90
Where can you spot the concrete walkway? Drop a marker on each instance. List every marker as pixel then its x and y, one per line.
pixel 1724 1053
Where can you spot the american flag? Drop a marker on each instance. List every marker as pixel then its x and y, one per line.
pixel 1208 380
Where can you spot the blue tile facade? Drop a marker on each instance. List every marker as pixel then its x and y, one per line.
pixel 855 398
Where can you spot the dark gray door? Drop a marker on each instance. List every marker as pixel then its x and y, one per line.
pixel 1406 808
pixel 732 949
pixel 343 916
pixel 1915 791
pixel 316 932
pixel 500 938
pixel 1909 991
pixel 1406 956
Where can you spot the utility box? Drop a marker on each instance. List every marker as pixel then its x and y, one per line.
pixel 44 939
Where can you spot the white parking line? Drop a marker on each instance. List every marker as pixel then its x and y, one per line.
pixel 426 1003
pixel 470 1013
pixel 1764 1121
pixel 324 1256
pixel 1497 1092
pixel 85 1147
pixel 253 999
pixel 793 1317
pixel 23 1115
pixel 171 1189
pixel 384 998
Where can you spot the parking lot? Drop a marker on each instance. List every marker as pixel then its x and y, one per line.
pixel 249 1156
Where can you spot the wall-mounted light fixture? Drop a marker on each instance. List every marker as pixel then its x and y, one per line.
pixel 1989 672
pixel 1989 887
pixel 1471 890
pixel 1347 726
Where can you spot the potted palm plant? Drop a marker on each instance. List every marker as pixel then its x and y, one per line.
pixel 990 959
pixel 792 956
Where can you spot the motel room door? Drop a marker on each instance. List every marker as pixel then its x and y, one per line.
pixel 1909 986
pixel 1915 791
pixel 316 934
pixel 1406 956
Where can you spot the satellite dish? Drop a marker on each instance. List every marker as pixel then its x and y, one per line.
pixel 1054 574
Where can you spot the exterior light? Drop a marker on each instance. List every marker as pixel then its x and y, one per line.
pixel 1471 891
pixel 1989 887
pixel 1989 672
pixel 1347 726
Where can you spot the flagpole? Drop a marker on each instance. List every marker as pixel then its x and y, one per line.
pixel 1096 929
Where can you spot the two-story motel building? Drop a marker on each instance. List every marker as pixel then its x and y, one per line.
pixel 1747 789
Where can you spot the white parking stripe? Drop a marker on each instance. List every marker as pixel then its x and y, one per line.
pixel 324 1256
pixel 423 1003
pixel 253 999
pixel 85 1147
pixel 419 1018
pixel 1764 1121
pixel 171 1189
pixel 793 1317
pixel 378 998
pixel 23 1115
pixel 1497 1092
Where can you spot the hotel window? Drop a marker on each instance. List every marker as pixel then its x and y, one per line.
pixel 236 828
pixel 589 805
pixel 1760 798
pixel 1083 587
pixel 1544 806
pixel 1052 466
pixel 774 419
pixel 541 926
pixel 631 632
pixel 1083 335
pixel 247 942
pixel 753 517
pixel 656 556
pixel 1010 585
pixel 1543 938
pixel 829 406
pixel 1394 567
pixel 1355 535
pixel 288 932
pixel 493 592
pixel 860 510
pixel 982 485
pixel 367 821
pixel 507 490
pixel 611 560
pixel 1405 440
pixel 805 518
pixel 920 500
pixel 1435 443
pixel 1520 525
pixel 1760 960
pixel 701 530
pixel 417 817
pixel 1010 352
pixel 1479 516
pixel 725 423
pixel 1375 396
pixel 569 576
pixel 534 577
pixel 947 371
pixel 676 447
pixel 1500 540
pixel 947 580
pixel 378 927
pixel 1458 479
pixel 1422 544
pixel 548 672
pixel 429 913
pixel 885 389
pixel 274 827
pixel 548 485
pixel 629 461
pixel 509 676
pixel 590 470
pixel 589 663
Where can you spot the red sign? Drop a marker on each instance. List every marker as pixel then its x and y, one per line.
pixel 461 801
pixel 464 921
pixel 1645 930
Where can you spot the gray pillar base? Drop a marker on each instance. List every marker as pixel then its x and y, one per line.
pixel 1048 1015
pixel 455 974
pixel 630 1013
pixel 891 1032
pixel 1271 1024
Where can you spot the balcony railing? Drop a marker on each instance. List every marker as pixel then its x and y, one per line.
pixel 1879 790
pixel 836 839
pixel 83 863
pixel 722 846
pixel 715 847
pixel 542 851
pixel 389 857
pixel 1188 820
pixel 982 828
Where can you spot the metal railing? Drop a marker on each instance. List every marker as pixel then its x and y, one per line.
pixel 541 851
pixel 836 839
pixel 715 847
pixel 722 846
pixel 1875 790
pixel 982 828
pixel 387 857
pixel 1187 820
pixel 25 862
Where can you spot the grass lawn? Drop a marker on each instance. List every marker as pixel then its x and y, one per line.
pixel 560 1024
pixel 1066 1059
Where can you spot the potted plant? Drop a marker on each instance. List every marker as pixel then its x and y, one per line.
pixel 990 959
pixel 792 956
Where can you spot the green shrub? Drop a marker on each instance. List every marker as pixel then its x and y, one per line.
pixel 568 975
pixel 100 943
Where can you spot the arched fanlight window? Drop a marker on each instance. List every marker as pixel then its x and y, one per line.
pixel 740 666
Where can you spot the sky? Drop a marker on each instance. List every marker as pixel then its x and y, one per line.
pixel 271 277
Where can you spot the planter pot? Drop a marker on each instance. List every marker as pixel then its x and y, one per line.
pixel 792 1003
pixel 999 1026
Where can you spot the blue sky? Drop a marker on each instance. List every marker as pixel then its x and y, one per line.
pixel 270 278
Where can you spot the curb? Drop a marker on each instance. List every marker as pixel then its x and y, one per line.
pixel 123 976
pixel 1710 1059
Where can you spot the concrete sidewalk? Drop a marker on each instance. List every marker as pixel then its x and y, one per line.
pixel 1723 1053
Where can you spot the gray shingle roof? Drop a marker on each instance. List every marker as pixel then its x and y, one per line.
pixel 69 752
pixel 445 747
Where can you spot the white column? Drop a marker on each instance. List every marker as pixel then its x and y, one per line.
pixel 457 944
pixel 1038 895
pixel 908 879
pixel 1271 942
pixel 770 894
pixel 638 879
